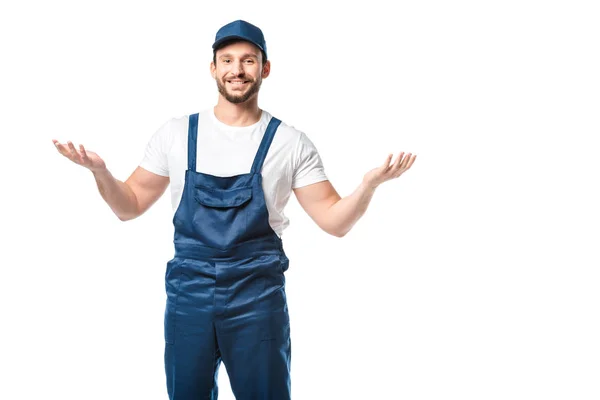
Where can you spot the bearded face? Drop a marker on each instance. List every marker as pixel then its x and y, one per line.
pixel 238 71
pixel 238 89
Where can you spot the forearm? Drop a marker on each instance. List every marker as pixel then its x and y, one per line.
pixel 343 214
pixel 118 195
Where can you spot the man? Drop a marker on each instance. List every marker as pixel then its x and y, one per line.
pixel 232 170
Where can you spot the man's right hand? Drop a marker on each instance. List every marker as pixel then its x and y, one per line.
pixel 128 199
pixel 88 159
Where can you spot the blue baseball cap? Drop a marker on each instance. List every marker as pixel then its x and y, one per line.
pixel 241 30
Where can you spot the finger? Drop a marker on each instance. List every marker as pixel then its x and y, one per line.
pixel 71 147
pixel 84 155
pixel 63 150
pixel 408 161
pixel 397 161
pixel 404 162
pixel 386 164
pixel 411 162
pixel 74 152
pixel 58 146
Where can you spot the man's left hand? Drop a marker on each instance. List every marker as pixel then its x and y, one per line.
pixel 388 171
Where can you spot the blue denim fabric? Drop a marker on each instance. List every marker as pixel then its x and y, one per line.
pixel 225 287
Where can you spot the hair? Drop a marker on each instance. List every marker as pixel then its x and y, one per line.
pixel 232 41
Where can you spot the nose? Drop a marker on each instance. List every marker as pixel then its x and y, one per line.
pixel 237 68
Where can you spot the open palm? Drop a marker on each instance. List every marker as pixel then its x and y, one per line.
pixel 388 171
pixel 88 159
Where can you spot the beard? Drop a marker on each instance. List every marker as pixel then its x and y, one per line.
pixel 242 97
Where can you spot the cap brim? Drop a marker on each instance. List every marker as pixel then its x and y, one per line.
pixel 234 37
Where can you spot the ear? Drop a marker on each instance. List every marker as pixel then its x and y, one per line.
pixel 213 70
pixel 266 69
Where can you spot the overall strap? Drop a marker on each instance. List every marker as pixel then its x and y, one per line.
pixel 192 141
pixel 259 159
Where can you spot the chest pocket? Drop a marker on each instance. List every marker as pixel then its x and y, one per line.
pixel 222 198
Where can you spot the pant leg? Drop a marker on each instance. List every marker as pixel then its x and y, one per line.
pixel 192 355
pixel 192 367
pixel 260 369
pixel 254 333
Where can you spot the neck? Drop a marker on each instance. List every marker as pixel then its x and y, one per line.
pixel 243 114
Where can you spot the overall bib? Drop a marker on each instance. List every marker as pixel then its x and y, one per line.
pixel 226 287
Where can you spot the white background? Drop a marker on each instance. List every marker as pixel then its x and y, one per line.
pixel 473 276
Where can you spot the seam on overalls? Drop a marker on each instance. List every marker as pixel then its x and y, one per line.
pixel 177 293
pixel 215 366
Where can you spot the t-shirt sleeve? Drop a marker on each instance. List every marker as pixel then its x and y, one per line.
pixel 308 166
pixel 155 156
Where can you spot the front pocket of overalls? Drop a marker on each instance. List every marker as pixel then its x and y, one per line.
pixel 172 282
pixel 222 198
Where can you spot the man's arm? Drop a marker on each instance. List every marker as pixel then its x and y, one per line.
pixel 128 199
pixel 131 198
pixel 333 214
pixel 336 215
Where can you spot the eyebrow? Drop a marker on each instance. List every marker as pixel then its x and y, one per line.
pixel 245 55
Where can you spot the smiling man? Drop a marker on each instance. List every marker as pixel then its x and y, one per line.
pixel 232 170
pixel 243 82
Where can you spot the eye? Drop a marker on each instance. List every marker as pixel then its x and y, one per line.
pixel 225 60
pixel 249 61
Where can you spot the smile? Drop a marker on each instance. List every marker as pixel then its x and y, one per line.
pixel 237 82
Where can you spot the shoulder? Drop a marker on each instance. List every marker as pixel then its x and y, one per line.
pixel 173 126
pixel 176 129
pixel 170 133
pixel 289 134
pixel 178 124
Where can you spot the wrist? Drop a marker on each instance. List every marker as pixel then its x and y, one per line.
pixel 368 186
pixel 99 173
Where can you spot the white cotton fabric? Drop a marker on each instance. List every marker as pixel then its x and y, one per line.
pixel 292 160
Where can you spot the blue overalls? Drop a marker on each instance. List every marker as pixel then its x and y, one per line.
pixel 226 288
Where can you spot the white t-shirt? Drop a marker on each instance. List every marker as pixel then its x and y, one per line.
pixel 291 162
